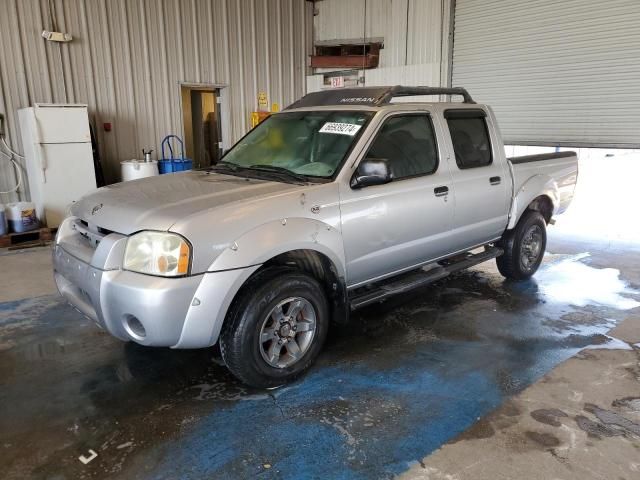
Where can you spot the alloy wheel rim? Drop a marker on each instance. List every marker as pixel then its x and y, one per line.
pixel 531 247
pixel 287 332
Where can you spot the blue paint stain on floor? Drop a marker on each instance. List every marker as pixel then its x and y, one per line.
pixel 336 424
pixel 394 385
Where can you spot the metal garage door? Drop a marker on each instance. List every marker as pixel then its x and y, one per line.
pixel 556 72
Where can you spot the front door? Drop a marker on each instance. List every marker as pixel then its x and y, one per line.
pixel 393 227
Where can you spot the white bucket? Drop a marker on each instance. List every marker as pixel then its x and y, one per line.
pixel 4 227
pixel 22 217
pixel 135 169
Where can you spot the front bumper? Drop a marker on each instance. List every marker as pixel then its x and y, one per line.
pixel 182 312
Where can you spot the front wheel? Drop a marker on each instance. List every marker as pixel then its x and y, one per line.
pixel 275 329
pixel 524 247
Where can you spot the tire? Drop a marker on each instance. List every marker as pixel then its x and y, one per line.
pixel 523 247
pixel 263 310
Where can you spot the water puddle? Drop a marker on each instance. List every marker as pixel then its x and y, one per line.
pixel 30 309
pixel 610 343
pixel 575 283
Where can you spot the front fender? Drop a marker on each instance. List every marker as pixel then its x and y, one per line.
pixel 531 189
pixel 273 238
pixel 235 265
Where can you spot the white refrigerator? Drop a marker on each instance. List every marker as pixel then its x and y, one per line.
pixel 59 158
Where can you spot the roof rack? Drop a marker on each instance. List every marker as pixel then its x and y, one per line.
pixel 400 91
pixel 373 96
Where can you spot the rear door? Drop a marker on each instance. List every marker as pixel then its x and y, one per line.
pixel 392 227
pixel 480 179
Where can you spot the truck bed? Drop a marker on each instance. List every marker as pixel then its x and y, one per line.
pixel 560 168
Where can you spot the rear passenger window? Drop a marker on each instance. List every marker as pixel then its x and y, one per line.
pixel 470 138
pixel 408 143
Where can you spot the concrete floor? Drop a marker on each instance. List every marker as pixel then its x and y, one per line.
pixel 473 377
pixel 25 276
pixel 581 420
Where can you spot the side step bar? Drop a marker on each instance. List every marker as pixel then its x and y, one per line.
pixel 419 278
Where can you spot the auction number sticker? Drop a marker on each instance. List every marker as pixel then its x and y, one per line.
pixel 340 128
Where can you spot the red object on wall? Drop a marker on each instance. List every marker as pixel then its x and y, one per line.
pixel 107 126
pixel 347 56
pixel 344 61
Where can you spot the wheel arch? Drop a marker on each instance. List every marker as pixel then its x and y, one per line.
pixel 312 262
pixel 303 244
pixel 539 193
pixel 319 266
pixel 323 269
pixel 544 205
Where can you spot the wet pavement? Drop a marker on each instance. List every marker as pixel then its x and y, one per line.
pixel 397 383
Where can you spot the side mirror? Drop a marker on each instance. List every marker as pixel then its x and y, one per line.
pixel 371 171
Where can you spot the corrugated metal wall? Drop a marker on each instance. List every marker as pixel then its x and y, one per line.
pixel 556 73
pixel 411 29
pixel 414 32
pixel 128 58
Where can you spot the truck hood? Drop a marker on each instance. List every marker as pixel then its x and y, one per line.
pixel 156 203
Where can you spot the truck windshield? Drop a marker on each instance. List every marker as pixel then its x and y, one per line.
pixel 309 144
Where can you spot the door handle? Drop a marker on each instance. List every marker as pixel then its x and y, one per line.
pixel 441 191
pixel 494 180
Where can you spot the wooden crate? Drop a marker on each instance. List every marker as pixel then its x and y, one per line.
pixel 41 236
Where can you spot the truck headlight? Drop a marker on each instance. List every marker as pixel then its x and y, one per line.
pixel 157 253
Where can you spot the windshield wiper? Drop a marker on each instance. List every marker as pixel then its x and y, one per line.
pixel 280 171
pixel 255 170
pixel 229 169
pixel 224 166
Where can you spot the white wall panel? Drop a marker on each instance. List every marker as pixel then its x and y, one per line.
pixel 412 30
pixel 428 25
pixel 412 75
pixel 556 73
pixel 128 58
pixel 345 19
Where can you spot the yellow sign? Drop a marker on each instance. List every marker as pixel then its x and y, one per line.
pixel 262 100
pixel 275 108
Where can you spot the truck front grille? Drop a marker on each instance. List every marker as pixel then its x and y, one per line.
pixel 88 234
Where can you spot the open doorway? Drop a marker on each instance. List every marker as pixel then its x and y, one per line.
pixel 201 117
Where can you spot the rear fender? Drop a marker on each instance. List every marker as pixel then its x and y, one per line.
pixel 531 189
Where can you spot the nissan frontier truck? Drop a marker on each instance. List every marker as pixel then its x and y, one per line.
pixel 344 199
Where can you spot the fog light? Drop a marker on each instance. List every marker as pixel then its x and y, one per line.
pixel 134 327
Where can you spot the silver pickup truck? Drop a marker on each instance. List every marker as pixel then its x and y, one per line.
pixel 341 201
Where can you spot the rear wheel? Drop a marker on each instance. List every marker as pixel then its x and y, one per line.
pixel 524 247
pixel 275 329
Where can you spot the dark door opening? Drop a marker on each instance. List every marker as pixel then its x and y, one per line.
pixel 201 116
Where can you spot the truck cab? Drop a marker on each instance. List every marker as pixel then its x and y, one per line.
pixel 450 189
